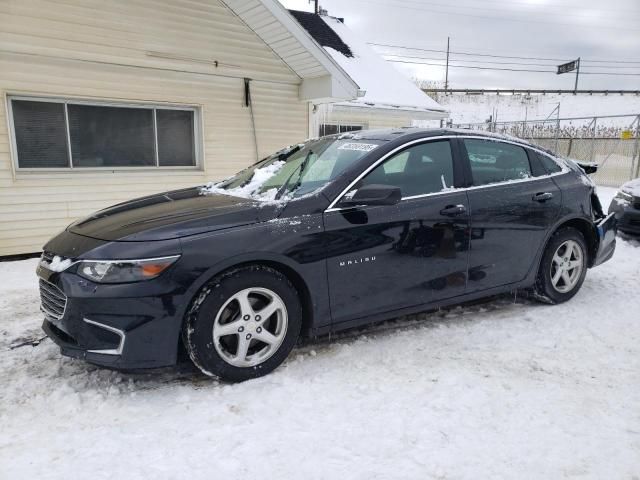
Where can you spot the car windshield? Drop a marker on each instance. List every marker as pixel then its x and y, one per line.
pixel 296 170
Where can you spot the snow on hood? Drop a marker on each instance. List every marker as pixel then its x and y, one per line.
pixel 250 190
pixel 385 86
pixel 632 187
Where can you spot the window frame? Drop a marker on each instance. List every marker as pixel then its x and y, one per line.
pixel 66 100
pixel 462 169
pixel 470 181
pixel 456 172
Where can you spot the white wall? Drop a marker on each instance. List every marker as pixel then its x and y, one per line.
pixel 368 118
pixel 95 49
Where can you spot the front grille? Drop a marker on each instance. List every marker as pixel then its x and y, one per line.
pixel 53 300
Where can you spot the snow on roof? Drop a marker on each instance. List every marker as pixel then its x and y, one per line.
pixel 385 86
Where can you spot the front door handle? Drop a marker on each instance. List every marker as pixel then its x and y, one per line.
pixel 542 197
pixel 453 210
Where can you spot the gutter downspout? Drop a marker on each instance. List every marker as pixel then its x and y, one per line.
pixel 249 103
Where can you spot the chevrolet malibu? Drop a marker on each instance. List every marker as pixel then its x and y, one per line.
pixel 326 235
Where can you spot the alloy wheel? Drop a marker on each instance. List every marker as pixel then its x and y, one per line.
pixel 250 327
pixel 566 266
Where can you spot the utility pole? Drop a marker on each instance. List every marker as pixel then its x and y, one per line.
pixel 575 89
pixel 446 72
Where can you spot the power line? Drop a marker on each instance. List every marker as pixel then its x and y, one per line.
pixel 472 54
pixel 504 63
pixel 473 67
pixel 474 61
pixel 468 53
pixel 615 74
pixel 509 69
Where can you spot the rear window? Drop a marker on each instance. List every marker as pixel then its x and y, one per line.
pixel 495 162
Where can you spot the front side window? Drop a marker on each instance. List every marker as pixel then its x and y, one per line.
pixel 495 162
pixel 418 170
pixel 58 134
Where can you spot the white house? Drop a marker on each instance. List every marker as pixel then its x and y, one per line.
pixel 386 99
pixel 106 101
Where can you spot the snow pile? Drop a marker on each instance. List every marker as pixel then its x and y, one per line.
pixel 250 190
pixel 385 86
pixel 504 389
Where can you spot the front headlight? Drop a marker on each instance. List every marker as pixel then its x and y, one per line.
pixel 124 271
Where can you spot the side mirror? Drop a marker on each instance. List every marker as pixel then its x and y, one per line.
pixel 373 195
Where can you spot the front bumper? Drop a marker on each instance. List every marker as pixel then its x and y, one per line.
pixel 119 326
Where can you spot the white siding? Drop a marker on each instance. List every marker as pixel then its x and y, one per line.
pixel 92 49
pixel 370 119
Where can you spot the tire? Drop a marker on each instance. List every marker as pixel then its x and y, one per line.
pixel 243 324
pixel 563 266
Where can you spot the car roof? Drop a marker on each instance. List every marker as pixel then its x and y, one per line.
pixel 389 134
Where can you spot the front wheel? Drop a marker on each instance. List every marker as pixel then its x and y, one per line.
pixel 563 267
pixel 243 324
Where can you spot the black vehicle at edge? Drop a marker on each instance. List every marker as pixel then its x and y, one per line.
pixel 626 207
pixel 355 229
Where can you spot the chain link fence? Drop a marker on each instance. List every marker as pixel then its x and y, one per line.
pixel 613 141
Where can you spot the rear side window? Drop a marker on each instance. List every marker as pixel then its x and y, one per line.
pixel 549 164
pixel 418 170
pixel 495 162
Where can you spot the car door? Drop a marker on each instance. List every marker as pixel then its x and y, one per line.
pixel 513 204
pixel 382 258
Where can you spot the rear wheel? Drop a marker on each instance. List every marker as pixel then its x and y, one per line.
pixel 243 324
pixel 563 267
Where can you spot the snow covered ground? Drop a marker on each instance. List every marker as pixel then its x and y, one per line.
pixel 505 389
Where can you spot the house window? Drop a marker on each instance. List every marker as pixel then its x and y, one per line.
pixel 331 129
pixel 60 134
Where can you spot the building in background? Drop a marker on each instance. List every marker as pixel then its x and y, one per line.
pixel 103 102
pixel 387 97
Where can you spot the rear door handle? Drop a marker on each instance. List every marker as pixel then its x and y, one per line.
pixel 453 210
pixel 542 197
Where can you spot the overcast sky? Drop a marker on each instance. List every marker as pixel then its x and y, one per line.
pixel 548 29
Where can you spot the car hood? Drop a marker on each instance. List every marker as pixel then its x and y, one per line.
pixel 172 215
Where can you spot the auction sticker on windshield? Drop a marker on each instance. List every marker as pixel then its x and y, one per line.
pixel 359 147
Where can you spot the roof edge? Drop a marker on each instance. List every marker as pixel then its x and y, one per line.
pixel 349 88
pixel 390 109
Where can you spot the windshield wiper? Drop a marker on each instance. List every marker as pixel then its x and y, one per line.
pixel 300 171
